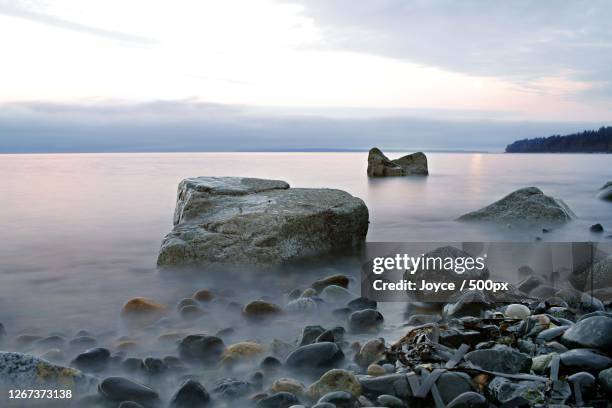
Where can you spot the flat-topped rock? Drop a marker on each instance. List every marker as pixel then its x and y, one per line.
pixel 380 165
pixel 256 221
pixel 527 205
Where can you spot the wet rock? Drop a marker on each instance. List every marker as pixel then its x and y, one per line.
pixel 517 311
pixel 340 399
pixel 154 366
pixel 337 280
pixel 236 220
pixel 371 352
pixel 527 205
pixel 302 305
pixel 597 228
pixel 186 302
pixel 450 385
pixel 132 365
pixel 95 359
pixel 191 394
pixel 581 359
pixel 365 321
pixel 270 363
pixel 326 336
pixel 336 294
pixel 19 370
pixel 122 389
pixel 540 363
pixel 376 370
pixel 605 381
pixel 455 338
pixel 501 359
pixel 309 334
pixel 391 384
pixel 504 391
pixel 379 165
pixel 419 319
pixel 582 385
pixel 191 312
pixel 278 400
pixel 390 401
pixel 288 385
pixel 362 303
pixel 335 380
pixel 203 295
pixel 231 388
pixel 51 342
pixel 202 348
pixel 468 303
pixel 593 332
pixel 129 404
pixel 315 356
pixel 599 276
pixel 260 309
pixel 551 334
pixel 143 310
pixel 243 351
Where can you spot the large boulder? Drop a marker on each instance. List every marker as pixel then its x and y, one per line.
pixel 235 220
pixel 527 205
pixel 379 165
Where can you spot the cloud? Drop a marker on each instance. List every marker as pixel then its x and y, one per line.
pixel 13 9
pixel 191 125
pixel 529 43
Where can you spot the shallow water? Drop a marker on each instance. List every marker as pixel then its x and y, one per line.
pixel 80 232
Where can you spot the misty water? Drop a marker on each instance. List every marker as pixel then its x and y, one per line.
pixel 80 233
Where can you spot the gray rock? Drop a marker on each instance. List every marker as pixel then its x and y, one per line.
pixel 605 381
pixel 592 332
pixel 95 359
pixel 392 384
pixel 122 389
pixel 605 192
pixel 362 303
pixel 504 390
pixel 279 400
pixel 23 370
pixel 231 388
pixel 582 359
pixel 309 334
pixel 379 165
pixel 501 359
pixel 390 401
pixel 338 280
pixel 524 206
pixel 302 305
pixel 365 321
pixel 599 275
pixel 596 228
pixel 336 294
pixel 340 399
pixel 251 221
pixel 201 348
pixel 467 303
pixel 451 385
pixel 191 394
pixel 315 356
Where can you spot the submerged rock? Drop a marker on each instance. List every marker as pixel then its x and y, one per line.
pixel 379 165
pixel 365 321
pixel 315 356
pixel 191 394
pixel 338 280
pixel 279 400
pixel 143 310
pixel 122 389
pixel 202 348
pixel 248 221
pixel 525 206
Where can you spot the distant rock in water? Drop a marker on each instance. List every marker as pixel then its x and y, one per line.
pixel 237 220
pixel 527 205
pixel 379 165
pixel 605 192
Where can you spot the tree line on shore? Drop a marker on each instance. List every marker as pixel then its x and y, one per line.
pixel 589 141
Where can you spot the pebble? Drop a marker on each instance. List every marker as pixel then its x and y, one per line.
pixel 95 359
pixel 288 385
pixel 278 400
pixel 142 310
pixel 243 351
pixel 202 348
pixel 517 311
pixel 191 394
pixel 376 370
pixel 315 356
pixel 365 321
pixel 203 295
pixel 122 389
pixel 259 309
pixel 335 380
pixel 337 280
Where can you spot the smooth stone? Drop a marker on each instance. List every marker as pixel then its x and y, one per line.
pixel 309 334
pixel 302 305
pixel 597 228
pixel 154 366
pixel 503 359
pixel 315 356
pixel 583 359
pixel 308 293
pixel 376 370
pixel 122 389
pixel 365 321
pixel 143 310
pixel 83 341
pixel 391 384
pixel 524 206
pixel 288 385
pixel 191 394
pixel 380 165
pixel 191 312
pixel 551 334
pixel 593 332
pixel 259 309
pixel 517 311
pixel 390 401
pixel 605 381
pixel 362 303
pixel 336 294
pixel 203 295
pixel 231 388
pixel 452 384
pixel 279 400
pixel 371 352
pixel 235 220
pixel 202 348
pixel 270 363
pixel 340 399
pixel 132 364
pixel 243 351
pixel 95 359
pixel 337 280
pixel 606 192
pixel 335 380
pixel 326 336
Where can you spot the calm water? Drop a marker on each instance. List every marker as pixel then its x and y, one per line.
pixel 80 233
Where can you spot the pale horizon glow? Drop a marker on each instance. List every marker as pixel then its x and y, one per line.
pixel 260 53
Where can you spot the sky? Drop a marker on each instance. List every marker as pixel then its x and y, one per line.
pixel 292 74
